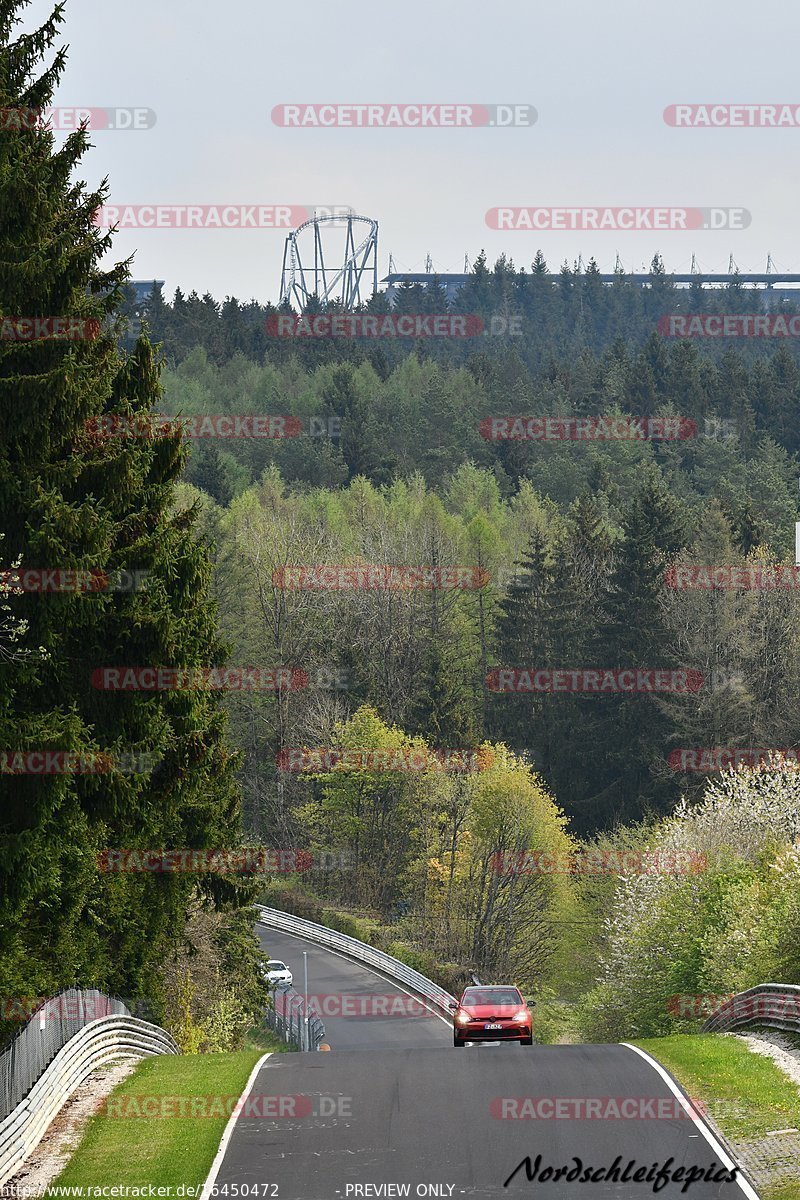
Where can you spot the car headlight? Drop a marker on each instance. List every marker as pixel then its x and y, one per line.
pixel 463 1018
pixel 520 1016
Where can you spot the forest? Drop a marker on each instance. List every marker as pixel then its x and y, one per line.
pixel 492 638
pixel 668 556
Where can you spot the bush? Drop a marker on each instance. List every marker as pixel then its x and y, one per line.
pixel 553 1019
pixel 213 988
pixel 760 942
pixel 724 928
pixel 293 900
pixel 452 977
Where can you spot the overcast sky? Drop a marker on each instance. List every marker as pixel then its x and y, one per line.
pixel 599 75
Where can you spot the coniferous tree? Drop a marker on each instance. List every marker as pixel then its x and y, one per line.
pixel 208 472
pixel 632 632
pixel 580 583
pixel 73 498
pixel 521 642
pixel 157 313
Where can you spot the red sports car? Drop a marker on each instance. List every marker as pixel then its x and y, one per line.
pixel 491 1014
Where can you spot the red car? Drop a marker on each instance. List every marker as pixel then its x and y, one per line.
pixel 490 1014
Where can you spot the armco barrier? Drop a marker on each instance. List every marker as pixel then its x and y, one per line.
pixel 359 951
pixel 775 1005
pixel 50 1025
pixel 289 1022
pixel 97 1042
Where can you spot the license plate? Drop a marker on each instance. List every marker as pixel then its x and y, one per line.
pixel 493 1025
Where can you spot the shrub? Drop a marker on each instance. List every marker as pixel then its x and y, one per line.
pixel 724 928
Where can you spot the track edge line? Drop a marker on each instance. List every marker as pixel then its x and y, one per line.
pixel 717 1141
pixel 227 1133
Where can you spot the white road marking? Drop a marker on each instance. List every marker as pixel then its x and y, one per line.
pixel 717 1147
pixel 228 1131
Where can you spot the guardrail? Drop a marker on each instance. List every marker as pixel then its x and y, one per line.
pixel 81 1050
pixel 287 1019
pixel 775 1005
pixel 351 947
pixel 49 1026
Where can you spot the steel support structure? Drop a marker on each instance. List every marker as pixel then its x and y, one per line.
pixel 303 280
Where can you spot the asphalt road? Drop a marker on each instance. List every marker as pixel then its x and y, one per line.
pixel 394 1106
pixel 361 997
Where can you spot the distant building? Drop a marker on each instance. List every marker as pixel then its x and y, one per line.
pixel 764 283
pixel 143 287
pixel 452 284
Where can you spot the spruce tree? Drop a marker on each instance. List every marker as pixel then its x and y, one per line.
pixel 522 643
pixel 632 632
pixel 73 497
pixel 208 472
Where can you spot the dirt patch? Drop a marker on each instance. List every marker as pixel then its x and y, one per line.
pixel 66 1130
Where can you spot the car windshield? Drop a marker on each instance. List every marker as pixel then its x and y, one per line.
pixel 496 995
pixel 276 966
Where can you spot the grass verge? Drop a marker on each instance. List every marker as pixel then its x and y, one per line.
pixel 261 1038
pixel 555 1022
pixel 746 1094
pixel 165 1151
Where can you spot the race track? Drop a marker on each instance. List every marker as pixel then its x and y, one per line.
pixel 394 1110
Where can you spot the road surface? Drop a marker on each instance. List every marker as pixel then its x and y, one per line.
pixel 360 995
pixel 394 1110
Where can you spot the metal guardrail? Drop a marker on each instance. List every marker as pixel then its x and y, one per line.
pixel 359 951
pixel 775 1005
pixel 287 1019
pixel 97 1041
pixel 49 1027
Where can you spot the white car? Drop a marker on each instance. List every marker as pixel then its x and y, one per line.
pixel 276 971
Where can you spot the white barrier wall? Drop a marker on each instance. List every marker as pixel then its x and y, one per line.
pixel 105 1040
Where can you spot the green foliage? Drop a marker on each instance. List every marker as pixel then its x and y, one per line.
pixel 73 498
pixel 225 1025
pixel 583 587
pixel 213 986
pixel 729 924
pixel 183 1028
pixel 759 935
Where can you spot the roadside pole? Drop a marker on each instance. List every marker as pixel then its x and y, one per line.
pixel 306 1038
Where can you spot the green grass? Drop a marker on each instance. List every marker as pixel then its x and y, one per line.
pixel 261 1038
pixel 555 1023
pixel 168 1150
pixel 747 1094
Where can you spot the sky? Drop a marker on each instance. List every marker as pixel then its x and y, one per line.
pixel 599 75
